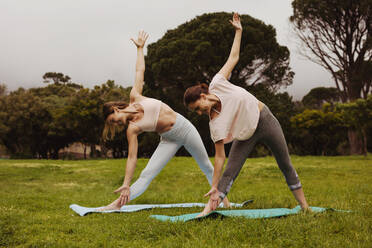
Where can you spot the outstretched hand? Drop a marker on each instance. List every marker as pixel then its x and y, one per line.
pixel 213 202
pixel 142 37
pixel 236 22
pixel 124 194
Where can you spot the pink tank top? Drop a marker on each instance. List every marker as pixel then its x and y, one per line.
pixel 151 109
pixel 239 111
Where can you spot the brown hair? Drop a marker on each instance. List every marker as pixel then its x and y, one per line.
pixel 192 94
pixel 110 130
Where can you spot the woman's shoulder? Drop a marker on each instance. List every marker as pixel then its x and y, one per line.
pixel 219 81
pixel 218 78
pixel 136 99
pixel 133 129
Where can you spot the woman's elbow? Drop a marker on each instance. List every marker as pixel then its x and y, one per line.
pixel 235 58
pixel 132 157
pixel 140 69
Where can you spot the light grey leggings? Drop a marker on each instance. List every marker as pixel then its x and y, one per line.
pixel 183 133
pixel 270 133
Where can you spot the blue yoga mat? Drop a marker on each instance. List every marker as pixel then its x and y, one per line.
pixel 82 211
pixel 246 213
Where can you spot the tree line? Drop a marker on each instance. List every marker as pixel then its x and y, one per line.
pixel 38 122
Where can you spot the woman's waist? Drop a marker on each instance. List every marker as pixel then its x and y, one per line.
pixel 180 127
pixel 166 121
pixel 261 105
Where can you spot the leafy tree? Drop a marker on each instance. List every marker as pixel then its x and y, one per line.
pixel 196 50
pixel 3 114
pixel 319 130
pixel 320 95
pixel 358 116
pixel 56 77
pixel 3 90
pixel 337 34
pixel 25 121
pixel 60 133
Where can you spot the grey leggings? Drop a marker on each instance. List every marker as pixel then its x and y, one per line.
pixel 270 133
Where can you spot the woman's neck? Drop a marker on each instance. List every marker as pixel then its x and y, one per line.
pixel 216 103
pixel 215 108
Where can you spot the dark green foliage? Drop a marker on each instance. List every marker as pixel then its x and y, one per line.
pixel 320 95
pixel 2 90
pixel 318 132
pixel 56 77
pixel 337 34
pixel 322 131
pixel 196 50
pixel 40 121
pixel 357 115
pixel 24 120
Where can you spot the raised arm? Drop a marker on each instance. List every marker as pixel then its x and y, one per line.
pixel 136 91
pixel 235 49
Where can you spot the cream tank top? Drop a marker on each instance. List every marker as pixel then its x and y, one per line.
pixel 151 109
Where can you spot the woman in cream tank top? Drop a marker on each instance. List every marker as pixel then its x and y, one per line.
pixel 145 114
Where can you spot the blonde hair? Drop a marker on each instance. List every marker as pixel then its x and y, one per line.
pixel 110 130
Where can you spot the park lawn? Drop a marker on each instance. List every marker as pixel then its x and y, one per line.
pixel 35 196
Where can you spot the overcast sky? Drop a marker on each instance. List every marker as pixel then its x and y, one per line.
pixel 89 39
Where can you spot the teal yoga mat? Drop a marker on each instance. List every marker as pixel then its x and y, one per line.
pixel 246 213
pixel 82 211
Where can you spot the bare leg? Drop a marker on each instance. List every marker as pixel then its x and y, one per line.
pixel 300 197
pixel 226 203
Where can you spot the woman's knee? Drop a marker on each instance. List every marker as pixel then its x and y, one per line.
pixel 146 175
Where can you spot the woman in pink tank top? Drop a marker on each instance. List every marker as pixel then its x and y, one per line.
pixel 237 116
pixel 145 114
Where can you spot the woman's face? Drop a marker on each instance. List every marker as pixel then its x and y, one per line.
pixel 119 117
pixel 201 106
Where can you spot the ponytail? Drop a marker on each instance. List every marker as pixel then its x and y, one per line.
pixel 192 94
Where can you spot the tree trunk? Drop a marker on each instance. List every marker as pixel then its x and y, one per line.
pixel 356 143
pixel 364 134
pixel 103 149
pixel 85 151
pixel 93 150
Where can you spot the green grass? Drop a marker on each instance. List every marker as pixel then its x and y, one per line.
pixel 35 196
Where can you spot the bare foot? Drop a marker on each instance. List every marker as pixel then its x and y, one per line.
pixel 202 214
pixel 306 210
pixel 113 206
pixel 207 209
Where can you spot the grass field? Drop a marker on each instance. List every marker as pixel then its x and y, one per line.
pixel 35 196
